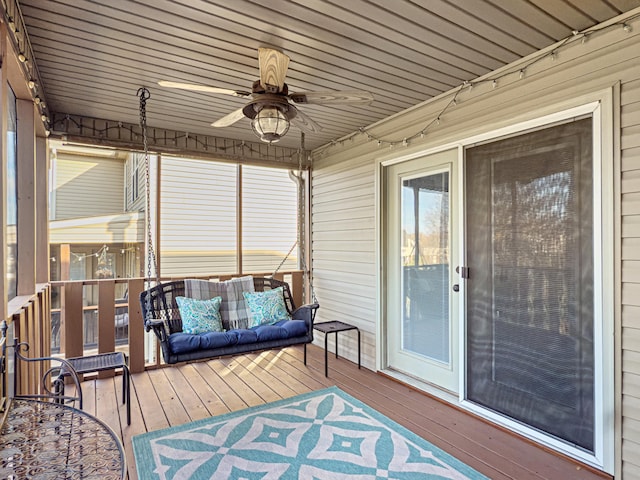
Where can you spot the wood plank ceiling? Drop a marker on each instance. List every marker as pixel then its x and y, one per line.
pixel 93 55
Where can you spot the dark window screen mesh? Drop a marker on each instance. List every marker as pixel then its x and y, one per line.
pixel 530 292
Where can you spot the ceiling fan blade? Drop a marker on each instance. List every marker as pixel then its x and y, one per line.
pixel 203 88
pixel 273 68
pixel 304 122
pixel 351 97
pixel 229 119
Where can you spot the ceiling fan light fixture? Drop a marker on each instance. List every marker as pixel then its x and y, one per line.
pixel 270 124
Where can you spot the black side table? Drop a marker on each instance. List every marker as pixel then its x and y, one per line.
pixel 335 327
pixel 106 361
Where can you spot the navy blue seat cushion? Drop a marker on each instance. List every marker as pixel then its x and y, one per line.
pixel 270 332
pixel 217 339
pixel 186 342
pixel 294 328
pixel 281 330
pixel 245 336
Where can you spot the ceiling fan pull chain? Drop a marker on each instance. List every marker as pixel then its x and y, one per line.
pixel 152 269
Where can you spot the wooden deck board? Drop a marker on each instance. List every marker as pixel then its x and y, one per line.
pixel 229 397
pixel 189 398
pixel 254 382
pixel 463 435
pixel 174 411
pixel 210 399
pixel 151 407
pixel 179 394
pixel 267 375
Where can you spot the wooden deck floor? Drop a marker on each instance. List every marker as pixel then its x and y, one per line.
pixel 176 395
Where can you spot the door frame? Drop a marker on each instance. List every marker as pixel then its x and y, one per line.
pixel 607 300
pixel 381 247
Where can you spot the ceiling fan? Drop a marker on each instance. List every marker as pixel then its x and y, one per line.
pixel 271 108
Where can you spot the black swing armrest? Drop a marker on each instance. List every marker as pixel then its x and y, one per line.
pixel 158 327
pixel 306 313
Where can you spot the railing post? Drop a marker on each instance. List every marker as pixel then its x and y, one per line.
pixel 72 320
pixel 136 326
pixel 106 324
pixel 297 287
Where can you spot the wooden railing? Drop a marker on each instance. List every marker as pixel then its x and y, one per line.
pixel 31 323
pixel 73 324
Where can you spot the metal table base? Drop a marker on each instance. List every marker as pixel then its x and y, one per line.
pixel 335 327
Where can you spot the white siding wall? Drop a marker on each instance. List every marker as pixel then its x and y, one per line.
pixel 344 260
pixel 343 212
pixel 87 186
pixel 630 186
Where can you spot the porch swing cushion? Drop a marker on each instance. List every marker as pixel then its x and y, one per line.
pixel 162 315
pixel 266 308
pixel 181 342
pixel 200 316
pixel 186 342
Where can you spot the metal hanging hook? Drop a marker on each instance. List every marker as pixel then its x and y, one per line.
pixel 143 93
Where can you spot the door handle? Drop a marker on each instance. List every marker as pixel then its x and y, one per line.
pixel 456 288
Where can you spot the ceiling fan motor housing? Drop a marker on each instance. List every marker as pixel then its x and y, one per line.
pixel 269 100
pixel 270 115
pixel 258 87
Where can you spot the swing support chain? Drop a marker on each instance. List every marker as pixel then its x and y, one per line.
pixel 152 268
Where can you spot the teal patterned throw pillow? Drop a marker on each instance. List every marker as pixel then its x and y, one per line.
pixel 266 307
pixel 200 316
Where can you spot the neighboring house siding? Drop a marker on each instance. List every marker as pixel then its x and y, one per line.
pixel 269 219
pixel 344 195
pixel 87 186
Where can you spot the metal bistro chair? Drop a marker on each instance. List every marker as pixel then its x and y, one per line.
pixel 52 380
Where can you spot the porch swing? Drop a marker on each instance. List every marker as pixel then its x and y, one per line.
pixel 223 318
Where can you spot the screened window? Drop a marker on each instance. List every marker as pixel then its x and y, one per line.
pixel 12 195
pixel 530 315
pixel 198 217
pixel 199 228
pixel 269 220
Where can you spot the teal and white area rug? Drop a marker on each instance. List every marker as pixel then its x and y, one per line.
pixel 323 435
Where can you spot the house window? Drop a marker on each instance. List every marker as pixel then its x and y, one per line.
pixel 12 195
pixel 531 320
pixel 134 178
